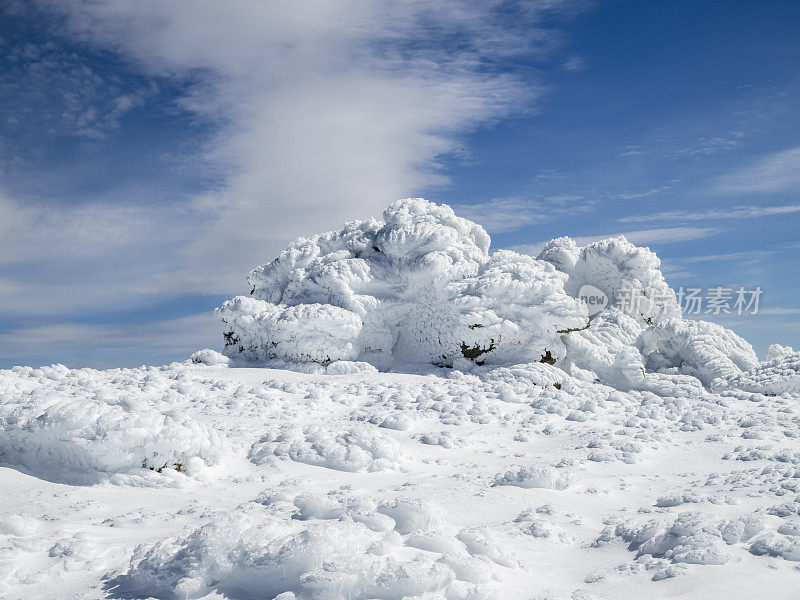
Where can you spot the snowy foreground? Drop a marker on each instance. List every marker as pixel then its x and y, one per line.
pixel 401 414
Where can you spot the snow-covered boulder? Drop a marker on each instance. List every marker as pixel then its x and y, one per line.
pixel 302 333
pixel 209 357
pixel 515 311
pixel 417 287
pixel 699 348
pixel 420 286
pixel 606 350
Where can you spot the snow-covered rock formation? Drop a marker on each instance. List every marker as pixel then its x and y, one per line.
pixel 420 286
pixel 417 287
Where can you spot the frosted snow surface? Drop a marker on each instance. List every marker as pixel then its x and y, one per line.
pixel 399 413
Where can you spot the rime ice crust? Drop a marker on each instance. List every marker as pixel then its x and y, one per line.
pixel 417 287
pixel 779 374
pixel 698 348
pixel 420 286
pixel 618 268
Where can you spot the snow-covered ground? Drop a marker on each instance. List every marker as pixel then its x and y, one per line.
pixel 386 485
pixel 400 414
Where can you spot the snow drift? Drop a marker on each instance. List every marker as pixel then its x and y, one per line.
pixel 420 286
pixel 82 426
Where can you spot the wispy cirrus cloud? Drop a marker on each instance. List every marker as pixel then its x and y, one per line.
pixel 34 231
pixel 311 113
pixel 711 145
pixel 665 235
pixel 44 87
pixel 668 235
pixel 62 258
pixel 575 64
pixel 644 194
pixel 101 345
pixel 779 311
pixel 509 214
pixel 776 172
pixel 733 212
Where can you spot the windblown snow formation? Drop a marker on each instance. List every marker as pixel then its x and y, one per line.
pixel 420 286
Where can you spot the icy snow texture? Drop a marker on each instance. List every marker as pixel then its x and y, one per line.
pixel 438 485
pixel 699 348
pixel 534 476
pixel 690 538
pixel 421 287
pixel 779 374
pixel 417 287
pixel 351 550
pixel 354 450
pixel 83 425
pixel 629 275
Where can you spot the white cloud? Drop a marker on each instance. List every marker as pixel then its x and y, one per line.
pixel 321 111
pixel 711 145
pixel 632 151
pixel 509 214
pixel 645 194
pixel 777 172
pixel 733 212
pixel 575 64
pixel 779 311
pixel 58 259
pixel 31 232
pixel 324 110
pixel 743 258
pixel 666 235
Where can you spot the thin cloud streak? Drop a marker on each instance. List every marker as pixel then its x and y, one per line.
pixel 645 236
pixel 650 192
pixel 777 172
pixel 734 212
pixel 94 345
pixel 501 215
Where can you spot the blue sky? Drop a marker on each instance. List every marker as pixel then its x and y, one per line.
pixel 152 153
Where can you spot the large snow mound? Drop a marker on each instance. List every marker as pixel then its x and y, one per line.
pixel 420 286
pixel 84 425
pixel 699 348
pixel 417 287
pixel 629 275
pixel 354 548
